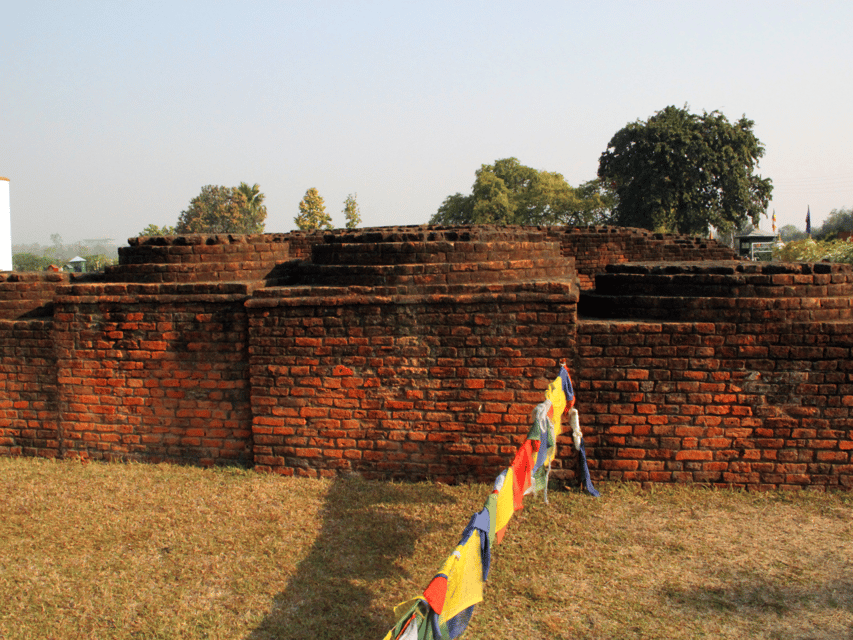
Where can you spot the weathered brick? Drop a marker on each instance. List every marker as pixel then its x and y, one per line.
pixel 349 358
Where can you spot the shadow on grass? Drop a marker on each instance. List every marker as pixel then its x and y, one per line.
pixel 781 607
pixel 361 536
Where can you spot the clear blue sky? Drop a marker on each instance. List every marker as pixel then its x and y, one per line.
pixel 115 114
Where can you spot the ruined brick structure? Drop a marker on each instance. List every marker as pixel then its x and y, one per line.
pixel 419 352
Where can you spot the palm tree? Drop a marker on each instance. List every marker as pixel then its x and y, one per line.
pixel 254 197
pixel 255 206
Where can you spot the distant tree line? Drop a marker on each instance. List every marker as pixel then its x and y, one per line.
pixel 839 221
pixel 825 242
pixel 241 209
pixel 37 257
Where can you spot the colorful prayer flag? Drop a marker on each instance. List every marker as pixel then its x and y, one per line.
pixel 447 604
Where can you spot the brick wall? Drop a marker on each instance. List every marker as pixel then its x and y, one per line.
pixel 594 248
pixel 750 386
pixel 28 389
pixel 28 295
pixel 420 352
pixel 200 258
pixel 153 372
pixel 432 386
pixel 711 403
pixel 408 352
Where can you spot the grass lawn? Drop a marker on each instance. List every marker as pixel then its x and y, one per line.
pixel 145 551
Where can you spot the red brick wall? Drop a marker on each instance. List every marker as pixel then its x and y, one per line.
pixel 28 391
pixel 593 248
pixel 760 397
pixel 408 352
pixel 431 386
pixel 154 372
pixel 747 292
pixel 28 294
pixel 200 258
pixel 420 352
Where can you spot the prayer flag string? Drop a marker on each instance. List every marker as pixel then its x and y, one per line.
pixel 446 606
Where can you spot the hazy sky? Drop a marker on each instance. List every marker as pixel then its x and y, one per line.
pixel 115 114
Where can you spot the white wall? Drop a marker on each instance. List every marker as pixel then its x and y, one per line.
pixel 5 226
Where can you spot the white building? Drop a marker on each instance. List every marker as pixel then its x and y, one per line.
pixel 5 226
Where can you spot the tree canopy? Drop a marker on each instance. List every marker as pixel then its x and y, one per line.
pixel 790 232
pixel 154 230
pixel 838 220
pixel 220 209
pixel 31 262
pixel 352 212
pixel 254 199
pixel 312 212
pixel 684 172
pixel 810 250
pixel 509 193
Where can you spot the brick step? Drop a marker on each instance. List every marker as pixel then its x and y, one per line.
pixel 241 271
pixel 427 274
pixel 201 253
pixel 724 291
pixel 741 286
pixel 389 253
pixel 565 288
pixel 28 294
pixel 475 233
pixel 717 309
pixel 22 309
pixel 112 289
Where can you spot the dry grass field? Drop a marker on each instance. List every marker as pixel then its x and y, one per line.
pixel 145 552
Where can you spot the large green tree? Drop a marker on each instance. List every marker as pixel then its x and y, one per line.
pixel 312 212
pixel 220 209
pixel 507 192
pixel 684 172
